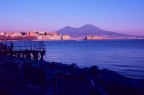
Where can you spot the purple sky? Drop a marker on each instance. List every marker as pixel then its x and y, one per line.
pixel 125 16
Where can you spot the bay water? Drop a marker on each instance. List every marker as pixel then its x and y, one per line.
pixel 123 56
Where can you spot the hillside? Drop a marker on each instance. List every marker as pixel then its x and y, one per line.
pixel 88 30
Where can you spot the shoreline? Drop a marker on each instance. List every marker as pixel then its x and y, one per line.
pixel 41 75
pixel 79 39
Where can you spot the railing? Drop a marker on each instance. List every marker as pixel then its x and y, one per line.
pixel 5 46
pixel 21 48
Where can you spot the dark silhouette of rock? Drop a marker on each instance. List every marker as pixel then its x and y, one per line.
pixel 71 85
pixel 49 78
pixel 34 75
pixel 10 70
pixel 116 84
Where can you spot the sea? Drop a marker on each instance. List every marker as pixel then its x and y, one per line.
pixel 123 56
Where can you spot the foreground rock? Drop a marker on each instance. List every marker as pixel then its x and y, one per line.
pixel 27 77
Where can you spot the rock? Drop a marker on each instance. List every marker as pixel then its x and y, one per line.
pixel 94 70
pixel 71 85
pixel 116 84
pixel 10 70
pixel 79 81
pixel 34 75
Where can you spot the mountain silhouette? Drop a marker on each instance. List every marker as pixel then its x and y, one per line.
pixel 86 30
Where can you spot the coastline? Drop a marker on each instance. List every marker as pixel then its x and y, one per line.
pixel 42 75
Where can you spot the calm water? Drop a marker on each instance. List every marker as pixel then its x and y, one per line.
pixel 123 56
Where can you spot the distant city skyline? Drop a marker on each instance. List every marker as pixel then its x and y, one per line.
pixel 123 16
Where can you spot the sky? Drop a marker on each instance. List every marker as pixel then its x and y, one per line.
pixel 124 16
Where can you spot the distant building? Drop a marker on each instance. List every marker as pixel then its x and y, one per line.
pixel 2 33
pixel 15 34
pixel 94 38
pixel 34 35
pixel 65 37
pixel 31 33
pixel 56 37
pixel 49 37
pixel 51 33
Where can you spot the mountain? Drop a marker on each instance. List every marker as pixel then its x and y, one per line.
pixel 86 30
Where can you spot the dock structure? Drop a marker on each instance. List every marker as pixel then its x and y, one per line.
pixel 33 51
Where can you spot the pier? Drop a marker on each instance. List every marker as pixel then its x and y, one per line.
pixel 33 51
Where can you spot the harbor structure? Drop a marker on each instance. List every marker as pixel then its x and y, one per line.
pixel 29 49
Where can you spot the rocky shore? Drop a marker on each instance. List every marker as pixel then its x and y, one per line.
pixel 28 77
